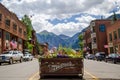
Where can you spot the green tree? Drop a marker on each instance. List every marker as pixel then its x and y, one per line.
pixel 26 20
pixel 81 41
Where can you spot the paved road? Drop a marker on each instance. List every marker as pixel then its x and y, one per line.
pixel 102 70
pixel 18 71
pixel 93 70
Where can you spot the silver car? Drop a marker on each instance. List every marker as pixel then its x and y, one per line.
pixel 11 56
pixel 27 57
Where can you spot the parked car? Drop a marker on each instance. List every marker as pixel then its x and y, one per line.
pixel 90 56
pixel 114 57
pixel 11 56
pixel 27 57
pixel 100 56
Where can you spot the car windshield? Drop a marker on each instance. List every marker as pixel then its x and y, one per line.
pixel 26 54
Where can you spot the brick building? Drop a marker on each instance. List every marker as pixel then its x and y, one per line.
pixel 113 37
pixel 12 31
pixel 87 40
pixel 96 36
pixel 99 35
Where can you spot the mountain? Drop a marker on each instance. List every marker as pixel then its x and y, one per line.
pixel 56 40
pixel 74 41
pixel 64 37
pixel 52 39
pixel 117 15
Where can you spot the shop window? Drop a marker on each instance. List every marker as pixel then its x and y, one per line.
pixel 14 26
pixel 7 22
pixel 119 32
pixel 115 35
pixel 110 37
pixel 0 17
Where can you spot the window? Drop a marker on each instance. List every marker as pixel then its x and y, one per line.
pixel 119 32
pixel 20 41
pixel 0 33
pixel 7 22
pixel 111 50
pixel 115 35
pixel 94 40
pixel 25 33
pixel 93 30
pixel 14 26
pixel 110 37
pixel 7 35
pixel 0 17
pixel 20 30
pixel 102 28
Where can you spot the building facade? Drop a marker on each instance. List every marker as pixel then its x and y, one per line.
pixel 12 31
pixel 87 40
pixel 99 36
pixel 96 36
pixel 113 37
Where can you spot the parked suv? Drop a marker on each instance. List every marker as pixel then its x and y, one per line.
pixel 11 56
pixel 100 56
pixel 114 57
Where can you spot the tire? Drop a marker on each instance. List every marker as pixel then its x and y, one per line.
pixel 105 60
pixel 42 77
pixel 21 60
pixel 0 63
pixel 114 61
pixel 11 61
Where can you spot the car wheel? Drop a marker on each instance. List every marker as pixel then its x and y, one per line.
pixel 21 60
pixel 105 60
pixel 0 63
pixel 114 61
pixel 11 61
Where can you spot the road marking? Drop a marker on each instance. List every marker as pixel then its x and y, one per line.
pixel 33 76
pixel 94 77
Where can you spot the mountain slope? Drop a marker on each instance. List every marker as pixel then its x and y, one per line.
pixel 51 38
pixel 56 40
pixel 74 41
pixel 117 15
pixel 64 37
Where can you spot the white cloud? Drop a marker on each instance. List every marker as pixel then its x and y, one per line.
pixel 42 10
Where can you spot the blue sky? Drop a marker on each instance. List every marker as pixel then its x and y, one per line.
pixel 62 16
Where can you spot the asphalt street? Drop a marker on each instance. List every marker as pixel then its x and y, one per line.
pixel 93 70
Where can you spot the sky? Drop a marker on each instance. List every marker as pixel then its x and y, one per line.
pixel 66 17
